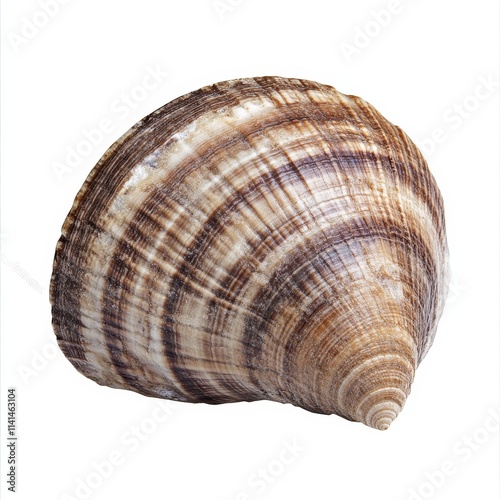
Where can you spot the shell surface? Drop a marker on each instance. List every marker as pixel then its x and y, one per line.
pixel 264 238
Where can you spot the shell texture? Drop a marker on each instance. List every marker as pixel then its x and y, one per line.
pixel 262 238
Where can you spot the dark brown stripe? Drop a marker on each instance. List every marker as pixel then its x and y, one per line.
pixel 238 277
pixel 140 141
pixel 419 181
pixel 65 290
pixel 289 276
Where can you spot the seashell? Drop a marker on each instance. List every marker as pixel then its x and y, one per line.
pixel 262 238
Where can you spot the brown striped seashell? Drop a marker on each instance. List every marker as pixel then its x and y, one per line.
pixel 262 238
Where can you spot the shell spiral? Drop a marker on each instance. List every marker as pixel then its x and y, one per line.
pixel 264 238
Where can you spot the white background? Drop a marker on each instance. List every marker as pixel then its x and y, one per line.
pixel 423 66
